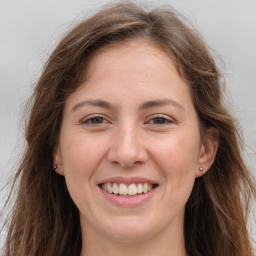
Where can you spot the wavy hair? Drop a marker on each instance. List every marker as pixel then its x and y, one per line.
pixel 45 221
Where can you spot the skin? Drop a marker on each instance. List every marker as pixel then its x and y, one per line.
pixel 129 141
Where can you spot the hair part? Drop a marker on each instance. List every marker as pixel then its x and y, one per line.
pixel 45 220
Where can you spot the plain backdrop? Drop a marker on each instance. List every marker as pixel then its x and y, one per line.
pixel 29 30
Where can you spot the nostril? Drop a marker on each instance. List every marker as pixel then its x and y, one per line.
pixel 126 154
pixel 127 164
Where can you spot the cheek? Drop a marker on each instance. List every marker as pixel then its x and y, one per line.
pixel 81 154
pixel 179 152
pixel 178 158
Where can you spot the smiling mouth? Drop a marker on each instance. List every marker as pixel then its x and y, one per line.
pixel 127 189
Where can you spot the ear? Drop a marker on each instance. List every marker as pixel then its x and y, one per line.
pixel 57 160
pixel 208 150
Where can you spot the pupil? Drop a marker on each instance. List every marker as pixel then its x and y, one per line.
pixel 97 120
pixel 159 120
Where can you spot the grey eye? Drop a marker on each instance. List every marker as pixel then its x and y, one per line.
pixel 159 120
pixel 94 120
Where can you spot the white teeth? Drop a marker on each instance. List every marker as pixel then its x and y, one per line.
pixel 124 189
pixel 145 188
pixel 132 190
pixel 139 189
pixel 109 188
pixel 115 189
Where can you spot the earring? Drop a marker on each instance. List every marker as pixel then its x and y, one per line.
pixel 201 168
pixel 54 167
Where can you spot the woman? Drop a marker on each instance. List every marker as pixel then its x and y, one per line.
pixel 129 148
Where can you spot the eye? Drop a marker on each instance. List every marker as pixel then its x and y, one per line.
pixel 94 120
pixel 159 120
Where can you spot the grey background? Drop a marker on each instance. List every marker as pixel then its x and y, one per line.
pixel 29 30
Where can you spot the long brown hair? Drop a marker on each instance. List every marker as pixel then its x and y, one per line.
pixel 45 220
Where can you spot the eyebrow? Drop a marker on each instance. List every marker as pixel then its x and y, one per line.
pixel 145 105
pixel 162 102
pixel 97 103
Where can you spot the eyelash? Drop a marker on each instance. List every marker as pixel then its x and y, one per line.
pixel 163 120
pixel 90 119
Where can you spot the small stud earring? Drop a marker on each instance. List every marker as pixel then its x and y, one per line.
pixel 54 167
pixel 201 168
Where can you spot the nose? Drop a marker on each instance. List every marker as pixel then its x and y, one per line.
pixel 127 148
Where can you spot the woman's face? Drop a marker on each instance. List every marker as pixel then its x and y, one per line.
pixel 129 145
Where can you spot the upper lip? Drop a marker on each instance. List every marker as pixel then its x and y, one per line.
pixel 127 180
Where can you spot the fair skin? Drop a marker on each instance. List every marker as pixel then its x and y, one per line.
pixel 132 122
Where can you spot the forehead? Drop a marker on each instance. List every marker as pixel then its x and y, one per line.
pixel 135 58
pixel 145 53
pixel 135 68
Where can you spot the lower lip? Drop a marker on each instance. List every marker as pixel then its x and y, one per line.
pixel 128 201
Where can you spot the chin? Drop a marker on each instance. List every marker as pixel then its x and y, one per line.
pixel 129 236
pixel 131 230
